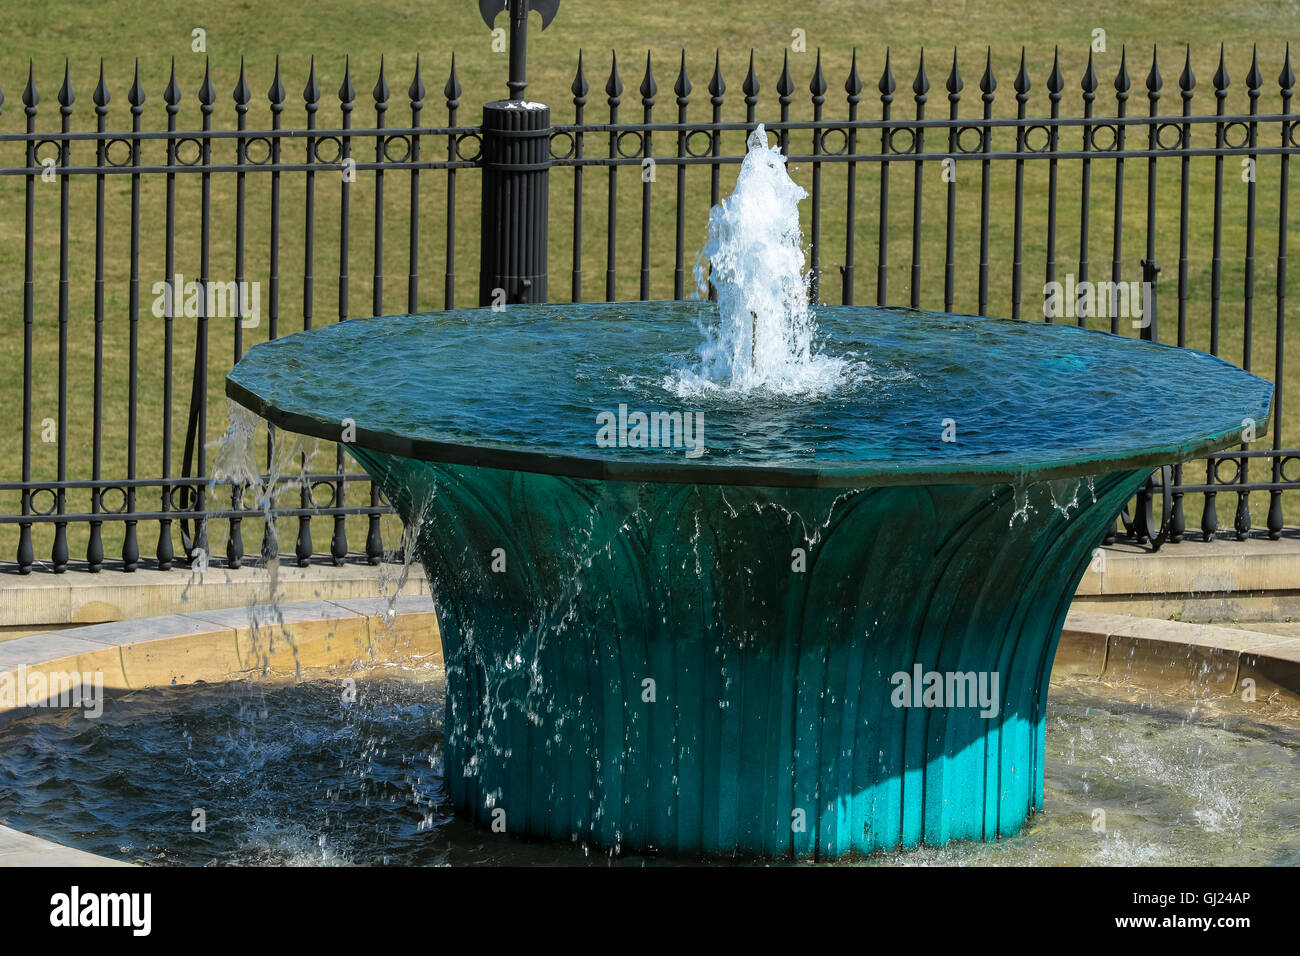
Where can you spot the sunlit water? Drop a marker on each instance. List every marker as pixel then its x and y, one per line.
pixel 296 775
pixel 764 334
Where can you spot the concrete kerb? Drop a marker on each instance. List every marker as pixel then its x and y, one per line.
pixel 310 638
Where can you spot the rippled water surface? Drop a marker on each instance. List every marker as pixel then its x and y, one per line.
pixel 1020 394
pixel 295 775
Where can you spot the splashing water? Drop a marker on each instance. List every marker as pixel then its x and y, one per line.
pixel 764 338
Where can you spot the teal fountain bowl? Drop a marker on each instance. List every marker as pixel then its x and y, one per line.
pixel 779 623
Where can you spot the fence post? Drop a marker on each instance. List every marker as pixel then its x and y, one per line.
pixel 516 174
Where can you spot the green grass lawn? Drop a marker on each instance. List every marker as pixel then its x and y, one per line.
pixel 332 30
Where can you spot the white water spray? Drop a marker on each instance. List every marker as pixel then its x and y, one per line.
pixel 764 338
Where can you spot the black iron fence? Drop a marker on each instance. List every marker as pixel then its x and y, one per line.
pixel 996 199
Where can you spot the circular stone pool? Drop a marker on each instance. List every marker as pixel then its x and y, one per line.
pixel 680 616
pixel 293 775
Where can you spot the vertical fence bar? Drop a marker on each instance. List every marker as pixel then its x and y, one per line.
pixel 853 92
pixel 311 97
pixel 276 96
pixel 920 87
pixel 347 96
pixel 196 437
pixel 381 92
pixel 1122 85
pixel 785 96
pixel 886 86
pixel 988 86
pixel 172 97
pixel 580 89
pixel 242 97
pixel 683 90
pixel 95 544
pixel 1021 85
pixel 717 89
pixel 817 87
pixel 130 541
pixel 1055 84
pixel 1089 87
pixel 954 87
pixel 451 94
pixel 59 552
pixel 26 553
pixel 1286 81
pixel 415 93
pixel 1186 84
pixel 613 95
pixel 648 90
pixel 1254 81
pixel 1209 513
pixel 1150 328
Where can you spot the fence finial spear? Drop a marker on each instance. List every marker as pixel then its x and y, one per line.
pixel 1254 78
pixel 100 96
pixel 277 92
pixel 30 96
pixel 853 85
pixel 1286 79
pixel 717 85
pixel 519 10
pixel 988 82
pixel 580 87
pixel 1089 82
pixel 66 97
pixel 135 95
pixel 415 92
pixel 243 95
pixel 1221 79
pixel 955 83
pixel 172 93
pixel 1187 79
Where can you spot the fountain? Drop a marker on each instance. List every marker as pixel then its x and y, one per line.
pixel 793 592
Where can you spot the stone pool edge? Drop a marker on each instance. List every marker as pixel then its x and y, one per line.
pixel 320 637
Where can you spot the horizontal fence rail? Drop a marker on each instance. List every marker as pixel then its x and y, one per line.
pixel 986 184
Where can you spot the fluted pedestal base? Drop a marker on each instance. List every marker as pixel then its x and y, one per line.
pixel 722 669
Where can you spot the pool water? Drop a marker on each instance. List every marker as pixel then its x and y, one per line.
pixel 301 775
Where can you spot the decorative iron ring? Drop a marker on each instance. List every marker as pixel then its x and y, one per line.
pixel 1236 471
pixel 388 145
pixel 979 133
pixel 890 133
pixel 31 499
pixel 708 142
pixel 844 142
pixel 252 159
pixel 108 152
pixel 1114 137
pixel 36 151
pixel 1047 139
pixel 1160 132
pixel 478 140
pixel 1281 469
pixel 640 143
pixel 1245 135
pixel 338 147
pixel 568 152
pixel 120 509
pixel 315 493
pixel 198 151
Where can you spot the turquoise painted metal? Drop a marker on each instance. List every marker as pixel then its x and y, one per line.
pixel 716 654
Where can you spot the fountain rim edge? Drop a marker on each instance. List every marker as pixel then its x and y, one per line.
pixel 855 475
